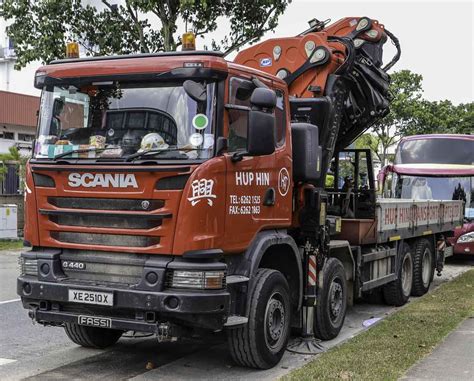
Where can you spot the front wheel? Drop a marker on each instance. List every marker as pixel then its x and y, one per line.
pixel 397 293
pixel 331 306
pixel 261 343
pixel 92 337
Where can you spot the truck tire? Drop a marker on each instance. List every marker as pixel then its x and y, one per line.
pixel 92 337
pixel 397 293
pixel 330 310
pixel 423 267
pixel 262 341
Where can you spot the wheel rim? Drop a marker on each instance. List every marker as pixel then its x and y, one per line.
pixel 406 276
pixel 426 263
pixel 275 319
pixel 336 299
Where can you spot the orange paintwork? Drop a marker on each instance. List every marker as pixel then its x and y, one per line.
pixel 293 55
pixel 139 65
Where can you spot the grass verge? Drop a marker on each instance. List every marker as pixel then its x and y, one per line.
pixel 386 351
pixel 11 244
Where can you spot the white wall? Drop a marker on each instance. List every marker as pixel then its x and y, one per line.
pixel 14 80
pixel 23 146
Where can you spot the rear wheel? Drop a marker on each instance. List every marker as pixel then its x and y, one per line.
pixel 397 293
pixel 330 310
pixel 262 342
pixel 423 267
pixel 92 337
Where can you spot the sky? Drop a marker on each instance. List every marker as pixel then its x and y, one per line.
pixel 436 37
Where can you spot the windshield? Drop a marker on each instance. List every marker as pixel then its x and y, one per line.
pixel 116 120
pixel 436 188
pixel 435 151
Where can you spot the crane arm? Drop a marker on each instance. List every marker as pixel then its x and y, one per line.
pixel 335 76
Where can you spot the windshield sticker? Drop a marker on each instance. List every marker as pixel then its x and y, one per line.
pixel 208 141
pixel 196 139
pixel 202 190
pixel 200 122
pixel 283 182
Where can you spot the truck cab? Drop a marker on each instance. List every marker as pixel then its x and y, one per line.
pixel 145 171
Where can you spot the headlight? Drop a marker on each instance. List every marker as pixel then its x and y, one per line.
pixel 465 238
pixel 203 280
pixel 28 266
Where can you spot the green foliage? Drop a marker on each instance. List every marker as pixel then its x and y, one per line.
pixel 411 114
pixel 442 117
pixel 41 29
pixel 13 157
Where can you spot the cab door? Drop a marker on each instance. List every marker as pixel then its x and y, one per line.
pixel 252 187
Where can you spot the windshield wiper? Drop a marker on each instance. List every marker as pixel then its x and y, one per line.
pixel 159 151
pixel 59 155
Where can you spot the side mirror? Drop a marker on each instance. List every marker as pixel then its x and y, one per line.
pixel 261 125
pixel 263 98
pixel 195 90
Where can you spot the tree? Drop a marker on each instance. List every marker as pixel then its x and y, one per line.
pixel 13 157
pixel 411 114
pixel 442 117
pixel 369 141
pixel 406 90
pixel 40 29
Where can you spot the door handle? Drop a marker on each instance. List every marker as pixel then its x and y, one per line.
pixel 269 197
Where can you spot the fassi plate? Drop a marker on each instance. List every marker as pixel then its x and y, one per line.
pixel 94 321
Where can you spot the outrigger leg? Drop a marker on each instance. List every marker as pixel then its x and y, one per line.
pixel 308 344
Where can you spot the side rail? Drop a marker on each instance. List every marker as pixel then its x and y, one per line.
pixel 403 218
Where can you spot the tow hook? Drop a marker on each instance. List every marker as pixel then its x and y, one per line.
pixel 164 333
pixel 32 314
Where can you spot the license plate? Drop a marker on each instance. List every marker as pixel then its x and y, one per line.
pixel 94 321
pixel 91 297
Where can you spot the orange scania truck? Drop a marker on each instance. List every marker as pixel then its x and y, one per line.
pixel 180 193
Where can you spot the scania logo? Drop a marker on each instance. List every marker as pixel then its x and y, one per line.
pixel 104 180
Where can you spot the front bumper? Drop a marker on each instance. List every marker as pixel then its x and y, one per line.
pixel 140 307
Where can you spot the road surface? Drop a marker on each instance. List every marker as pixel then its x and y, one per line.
pixel 30 351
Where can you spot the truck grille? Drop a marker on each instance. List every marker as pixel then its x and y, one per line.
pixel 122 204
pixel 117 268
pixel 106 221
pixel 105 239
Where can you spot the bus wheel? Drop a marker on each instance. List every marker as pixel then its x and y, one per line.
pixel 396 293
pixel 330 310
pixel 261 343
pixel 423 267
pixel 92 337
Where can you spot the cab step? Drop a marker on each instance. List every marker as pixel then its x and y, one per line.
pixel 235 321
pixel 234 279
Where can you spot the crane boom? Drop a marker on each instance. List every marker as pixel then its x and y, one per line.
pixel 335 76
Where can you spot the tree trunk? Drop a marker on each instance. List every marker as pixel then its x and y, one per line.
pixel 169 43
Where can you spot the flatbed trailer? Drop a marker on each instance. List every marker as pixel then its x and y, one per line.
pixel 378 242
